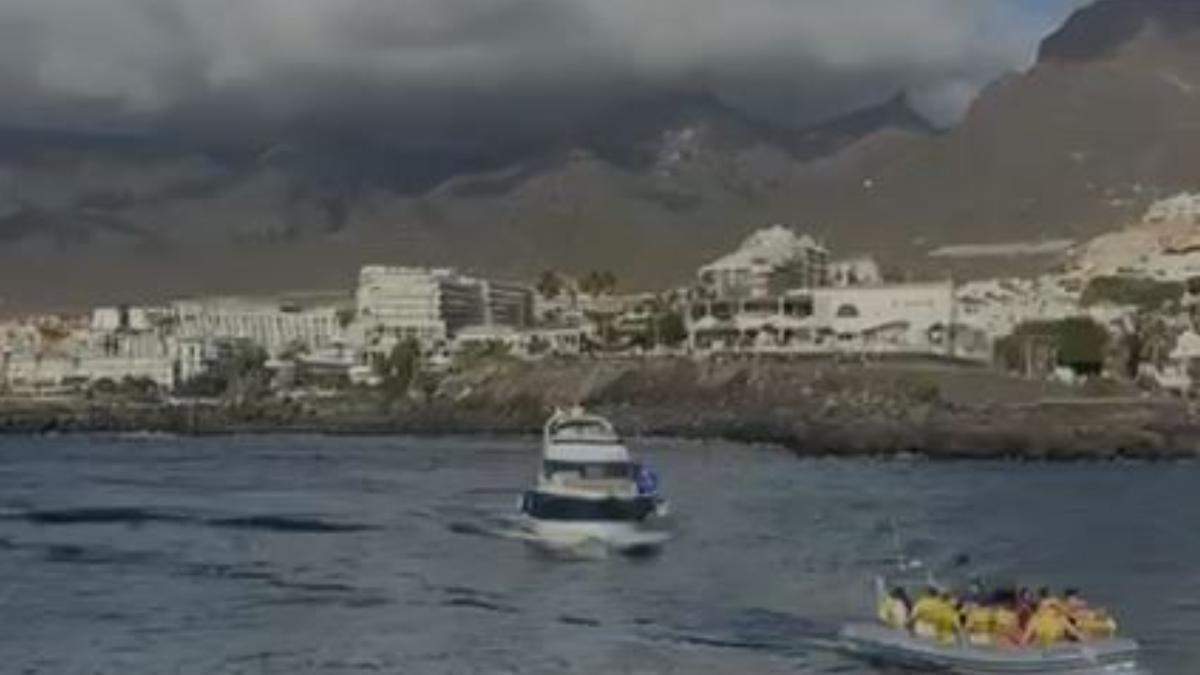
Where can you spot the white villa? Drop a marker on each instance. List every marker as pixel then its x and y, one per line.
pixel 859 271
pixel 895 319
pixel 779 292
pixel 766 263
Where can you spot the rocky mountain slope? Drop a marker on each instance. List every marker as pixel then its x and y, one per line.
pixel 648 189
pixel 1104 123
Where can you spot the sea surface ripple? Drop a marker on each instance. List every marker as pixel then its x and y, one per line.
pixel 311 554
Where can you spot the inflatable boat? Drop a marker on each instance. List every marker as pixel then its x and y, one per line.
pixel 890 647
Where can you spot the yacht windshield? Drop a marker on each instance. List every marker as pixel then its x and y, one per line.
pixel 590 470
pixel 584 431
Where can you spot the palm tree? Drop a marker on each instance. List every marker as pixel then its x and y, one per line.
pixel 598 283
pixel 589 284
pixel 549 284
pixel 610 281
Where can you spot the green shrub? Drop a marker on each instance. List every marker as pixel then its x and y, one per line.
pixel 1147 294
pixel 1078 342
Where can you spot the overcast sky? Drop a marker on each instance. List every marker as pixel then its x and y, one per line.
pixel 400 64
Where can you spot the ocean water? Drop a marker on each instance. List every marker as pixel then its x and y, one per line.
pixel 381 555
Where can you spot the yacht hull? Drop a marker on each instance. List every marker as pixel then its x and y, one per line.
pixel 549 506
pixel 621 536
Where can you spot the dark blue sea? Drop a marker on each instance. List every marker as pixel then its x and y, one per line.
pixel 347 555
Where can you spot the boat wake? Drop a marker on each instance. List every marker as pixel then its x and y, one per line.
pixel 636 544
pixel 144 516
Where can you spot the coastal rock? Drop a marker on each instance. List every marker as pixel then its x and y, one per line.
pixel 810 408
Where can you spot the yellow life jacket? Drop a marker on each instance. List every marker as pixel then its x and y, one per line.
pixel 1006 625
pixel 1053 604
pixel 1048 626
pixel 979 625
pixel 978 620
pixel 924 615
pixel 947 623
pixel 1096 625
pixel 935 618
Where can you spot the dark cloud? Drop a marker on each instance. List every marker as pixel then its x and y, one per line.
pixel 439 69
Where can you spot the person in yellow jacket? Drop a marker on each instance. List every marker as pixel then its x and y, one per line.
pixel 935 617
pixel 895 609
pixel 1093 623
pixel 1049 626
pixel 1047 600
pixel 979 624
pixel 1006 625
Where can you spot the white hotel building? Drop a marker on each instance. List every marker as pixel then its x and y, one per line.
pixel 272 323
pixel 433 305
pixel 36 360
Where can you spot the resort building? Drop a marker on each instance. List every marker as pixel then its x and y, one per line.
pixel 860 271
pixel 405 302
pixel 895 319
pixel 50 355
pixel 124 318
pixel 785 321
pixel 530 343
pixel 507 304
pixel 277 325
pixel 899 317
pixel 433 305
pixel 767 263
pixel 33 373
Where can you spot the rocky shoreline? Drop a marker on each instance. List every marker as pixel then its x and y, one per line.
pixel 812 409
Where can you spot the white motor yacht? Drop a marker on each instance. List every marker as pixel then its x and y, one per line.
pixel 590 489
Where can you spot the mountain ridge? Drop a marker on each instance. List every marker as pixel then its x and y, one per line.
pixel 1100 126
pixel 129 199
